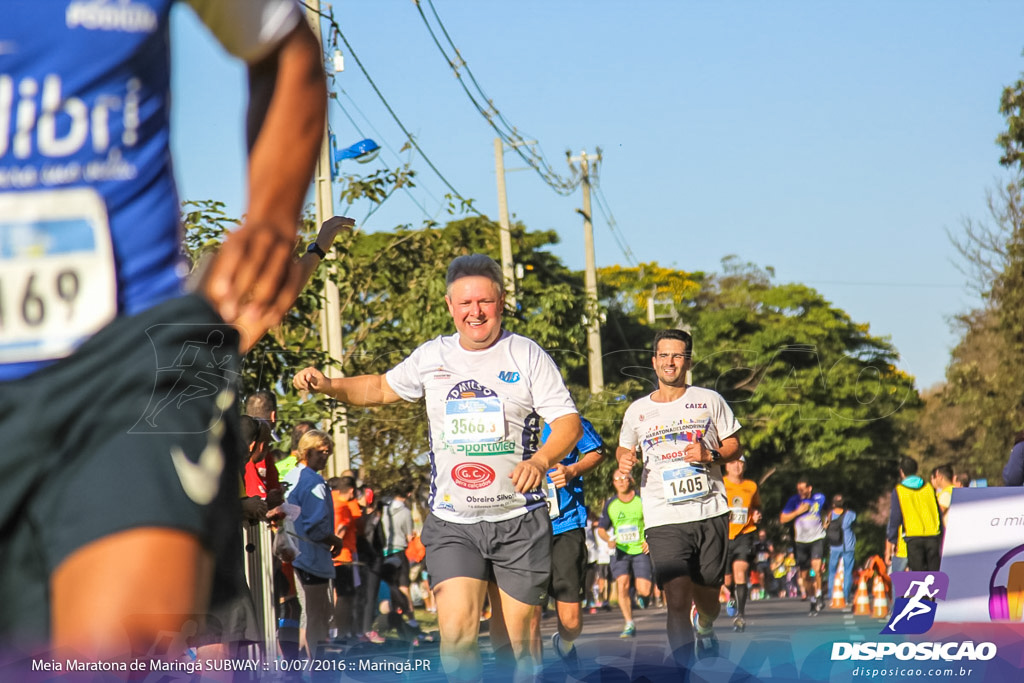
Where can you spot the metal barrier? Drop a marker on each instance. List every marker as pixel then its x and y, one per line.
pixel 259 574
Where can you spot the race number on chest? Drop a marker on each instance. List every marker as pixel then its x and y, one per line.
pixel 57 278
pixel 685 483
pixel 474 420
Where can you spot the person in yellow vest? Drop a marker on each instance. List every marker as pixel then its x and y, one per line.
pixel 744 514
pixel 942 482
pixel 896 554
pixel 915 507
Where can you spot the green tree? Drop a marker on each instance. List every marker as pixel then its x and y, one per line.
pixel 817 394
pixel 391 287
pixel 984 392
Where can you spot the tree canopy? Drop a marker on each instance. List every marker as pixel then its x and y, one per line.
pixel 816 393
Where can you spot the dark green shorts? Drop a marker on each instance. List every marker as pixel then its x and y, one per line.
pixel 137 428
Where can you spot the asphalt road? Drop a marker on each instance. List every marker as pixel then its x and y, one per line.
pixel 781 642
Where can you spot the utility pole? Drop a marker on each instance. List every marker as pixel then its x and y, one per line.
pixel 590 279
pixel 330 313
pixel 653 317
pixel 504 232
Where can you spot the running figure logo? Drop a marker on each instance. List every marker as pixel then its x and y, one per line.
pixel 915 611
pixel 202 369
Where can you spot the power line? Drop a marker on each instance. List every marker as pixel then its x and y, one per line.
pixel 350 119
pixel 506 131
pixel 336 30
pixel 390 149
pixel 609 218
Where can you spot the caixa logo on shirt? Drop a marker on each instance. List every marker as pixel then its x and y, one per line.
pixel 471 475
pixel 508 376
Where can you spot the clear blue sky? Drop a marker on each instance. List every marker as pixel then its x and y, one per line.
pixel 834 141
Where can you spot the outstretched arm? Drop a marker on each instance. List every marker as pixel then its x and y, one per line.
pixel 360 390
pixel 253 280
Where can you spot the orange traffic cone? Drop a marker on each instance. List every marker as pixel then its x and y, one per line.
pixel 861 602
pixel 879 600
pixel 838 591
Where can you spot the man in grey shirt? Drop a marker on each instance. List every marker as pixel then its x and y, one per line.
pixel 397 524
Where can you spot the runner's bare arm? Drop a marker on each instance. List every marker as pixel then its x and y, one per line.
pixel 361 390
pixel 307 265
pixel 588 462
pixel 787 517
pixel 565 433
pixel 730 449
pixel 627 459
pixel 562 474
pixel 254 273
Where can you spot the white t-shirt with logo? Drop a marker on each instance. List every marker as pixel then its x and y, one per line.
pixel 672 490
pixel 484 410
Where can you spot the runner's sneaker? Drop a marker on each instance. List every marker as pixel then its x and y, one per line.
pixel 629 631
pixel 730 607
pixel 821 603
pixel 374 637
pixel 571 659
pixel 814 609
pixel 739 624
pixel 640 602
pixel 705 642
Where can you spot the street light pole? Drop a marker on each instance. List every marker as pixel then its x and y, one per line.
pixel 330 313
pixel 504 232
pixel 590 279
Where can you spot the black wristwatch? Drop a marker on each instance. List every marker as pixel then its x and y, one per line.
pixel 314 248
pixel 716 457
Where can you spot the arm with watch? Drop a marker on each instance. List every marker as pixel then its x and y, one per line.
pixel 729 450
pixel 315 252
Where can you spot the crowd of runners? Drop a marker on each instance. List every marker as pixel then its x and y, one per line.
pixel 123 453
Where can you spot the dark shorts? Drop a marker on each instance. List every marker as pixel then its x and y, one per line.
pixel 109 439
pixel 741 549
pixel 603 571
pixel 345 579
pixel 568 566
pixel 803 553
pixel 924 553
pixel 515 553
pixel 623 563
pixel 396 569
pixel 694 549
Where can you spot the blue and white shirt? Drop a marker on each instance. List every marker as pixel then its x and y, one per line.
pixel 807 527
pixel 572 511
pixel 90 225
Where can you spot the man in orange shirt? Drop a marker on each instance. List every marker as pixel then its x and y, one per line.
pixel 744 514
pixel 346 517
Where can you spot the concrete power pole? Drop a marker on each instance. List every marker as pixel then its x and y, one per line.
pixel 330 313
pixel 505 235
pixel 594 355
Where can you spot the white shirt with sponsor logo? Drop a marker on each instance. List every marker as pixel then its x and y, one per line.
pixel 484 410
pixel 672 490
